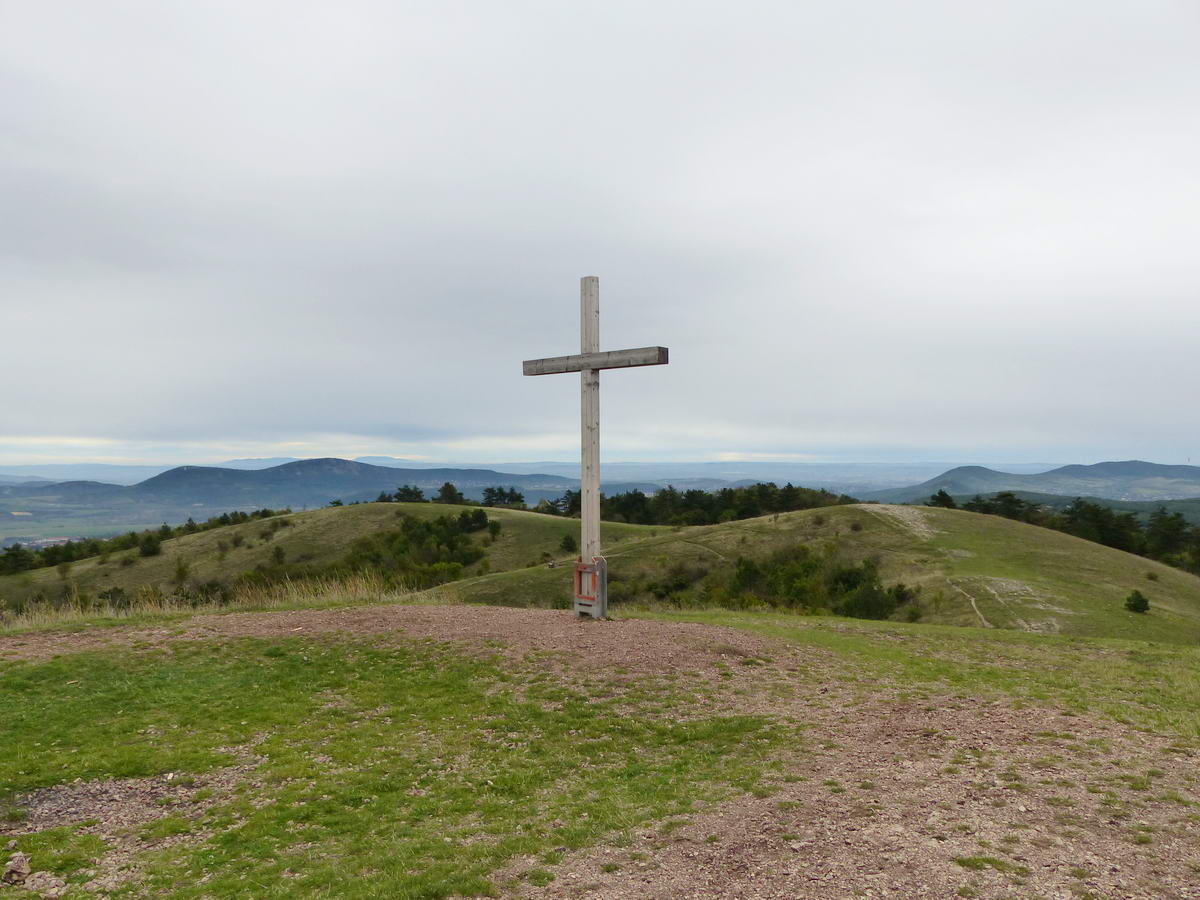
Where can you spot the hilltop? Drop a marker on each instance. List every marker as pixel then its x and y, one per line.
pixel 1130 480
pixel 969 569
pixel 410 750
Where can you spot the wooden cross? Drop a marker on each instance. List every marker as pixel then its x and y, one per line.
pixel 591 581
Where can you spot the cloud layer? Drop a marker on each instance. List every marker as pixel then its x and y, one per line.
pixel 865 230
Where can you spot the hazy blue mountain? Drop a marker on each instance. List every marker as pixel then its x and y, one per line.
pixel 107 472
pixel 91 507
pixel 23 479
pixel 1129 480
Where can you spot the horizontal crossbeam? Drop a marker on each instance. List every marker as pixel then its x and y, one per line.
pixel 611 359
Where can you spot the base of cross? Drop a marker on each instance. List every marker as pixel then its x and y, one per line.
pixel 591 588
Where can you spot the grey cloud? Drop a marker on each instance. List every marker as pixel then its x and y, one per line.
pixel 940 227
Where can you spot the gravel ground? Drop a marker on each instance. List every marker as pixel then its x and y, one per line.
pixel 883 798
pixel 637 645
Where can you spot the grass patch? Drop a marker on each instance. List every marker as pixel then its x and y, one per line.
pixel 63 851
pixel 409 771
pixel 991 862
pixel 1155 689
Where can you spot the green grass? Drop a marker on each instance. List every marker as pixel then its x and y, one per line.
pixel 970 568
pixel 62 851
pixel 1155 687
pixel 1019 576
pixel 410 771
pixel 314 538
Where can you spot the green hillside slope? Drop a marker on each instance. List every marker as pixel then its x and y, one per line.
pixel 972 569
pixel 311 539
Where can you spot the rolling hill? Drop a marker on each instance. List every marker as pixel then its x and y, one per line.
pixel 1130 480
pixel 971 569
pixel 311 539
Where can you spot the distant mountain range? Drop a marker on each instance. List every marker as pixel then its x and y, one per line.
pixel 309 482
pixel 1129 480
pixel 849 478
pixel 73 508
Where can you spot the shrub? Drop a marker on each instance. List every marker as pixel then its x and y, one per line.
pixel 568 544
pixel 150 545
pixel 1136 602
pixel 115 597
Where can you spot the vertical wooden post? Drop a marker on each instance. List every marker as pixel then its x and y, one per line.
pixel 589 328
pixel 591 572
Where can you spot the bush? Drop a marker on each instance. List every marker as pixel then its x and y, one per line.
pixel 568 544
pixel 150 545
pixel 1136 602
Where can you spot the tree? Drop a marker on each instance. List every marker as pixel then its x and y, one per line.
pixel 568 544
pixel 448 493
pixel 149 545
pixel 409 493
pixel 1137 602
pixel 1166 533
pixel 384 497
pixel 337 502
pixel 942 499
pixel 15 559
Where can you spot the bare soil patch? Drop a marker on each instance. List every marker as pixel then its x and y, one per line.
pixel 897 799
pixel 910 518
pixel 632 644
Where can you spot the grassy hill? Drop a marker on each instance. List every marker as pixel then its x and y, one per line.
pixel 970 569
pixel 311 539
pixel 411 750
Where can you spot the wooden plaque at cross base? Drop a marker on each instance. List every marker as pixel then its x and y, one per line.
pixel 591 588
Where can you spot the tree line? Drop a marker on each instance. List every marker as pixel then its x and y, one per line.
pixel 18 558
pixel 448 493
pixel 1164 536
pixel 670 506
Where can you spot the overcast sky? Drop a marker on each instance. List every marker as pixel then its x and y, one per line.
pixel 866 230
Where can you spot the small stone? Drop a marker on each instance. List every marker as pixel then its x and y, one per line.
pixel 51 887
pixel 11 845
pixel 17 869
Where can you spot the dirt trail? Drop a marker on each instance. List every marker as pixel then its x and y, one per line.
pixel 910 518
